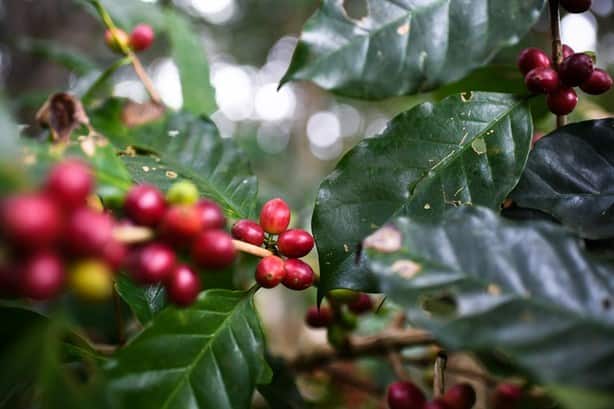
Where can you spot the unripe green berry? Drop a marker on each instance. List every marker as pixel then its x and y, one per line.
pixel 183 192
pixel 337 337
pixel 343 296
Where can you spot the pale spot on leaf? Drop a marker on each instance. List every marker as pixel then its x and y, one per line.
pixel 171 175
pixel 145 168
pixel 386 240
pixel 479 146
pixel 406 268
pixel 494 289
pixel 403 30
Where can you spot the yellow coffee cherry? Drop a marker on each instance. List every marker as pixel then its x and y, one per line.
pixel 183 192
pixel 91 280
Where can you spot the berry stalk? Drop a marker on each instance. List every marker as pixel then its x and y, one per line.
pixel 557 46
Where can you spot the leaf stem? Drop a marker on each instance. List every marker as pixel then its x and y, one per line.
pixel 557 46
pixel 439 380
pixel 136 63
pixel 103 77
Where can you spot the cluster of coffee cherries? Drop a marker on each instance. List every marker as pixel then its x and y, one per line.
pixel 577 69
pixel 406 395
pixel 51 236
pixel 140 39
pixel 286 246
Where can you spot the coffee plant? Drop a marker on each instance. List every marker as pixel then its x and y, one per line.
pixel 478 252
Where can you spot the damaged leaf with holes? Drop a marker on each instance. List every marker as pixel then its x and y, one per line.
pixel 527 291
pixel 469 148
pixel 402 47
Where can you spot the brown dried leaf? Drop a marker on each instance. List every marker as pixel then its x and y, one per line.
pixel 135 114
pixel 63 113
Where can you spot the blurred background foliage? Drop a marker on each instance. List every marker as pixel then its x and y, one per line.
pixel 293 136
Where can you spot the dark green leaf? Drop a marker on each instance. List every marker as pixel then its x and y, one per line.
pixel 404 46
pixel 10 168
pixel 146 302
pixel 189 55
pixel 282 392
pixel 528 291
pixel 467 149
pixel 570 175
pixel 181 145
pixel 210 355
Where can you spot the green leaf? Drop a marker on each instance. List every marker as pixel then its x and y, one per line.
pixel 467 149
pixel 128 13
pixel 181 145
pixel 282 392
pixel 189 55
pixel 146 302
pixel 527 291
pixel 570 175
pixel 10 169
pixel 210 355
pixel 405 46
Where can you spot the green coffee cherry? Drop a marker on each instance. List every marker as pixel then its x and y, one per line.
pixel 348 320
pixel 342 296
pixel 183 192
pixel 337 337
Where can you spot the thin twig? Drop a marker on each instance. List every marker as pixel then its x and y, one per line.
pixel 557 46
pixel 119 319
pixel 439 380
pixel 251 249
pixel 374 345
pixel 88 95
pixel 397 365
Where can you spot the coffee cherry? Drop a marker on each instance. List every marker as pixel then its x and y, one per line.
pixel 248 231
pixel 460 396
pixel 299 275
pixel 42 276
pixel 343 295
pixel 180 224
pixel 531 58
pixel 88 232
pixel 141 37
pixel 270 271
pixel 145 205
pixel 30 221
pixel 275 216
pixel 507 396
pixel 91 280
pixel 362 304
pixel 183 286
pixel 295 243
pixel 183 192
pixel 576 6
pixel 405 395
pixel 598 83
pixel 152 263
pixel 114 254
pixel 347 320
pixel 213 249
pixel 576 69
pixel 563 101
pixel 116 39
pixel 337 337
pixel 319 318
pixel 211 215
pixel 567 51
pixel 542 80
pixel 436 404
pixel 69 183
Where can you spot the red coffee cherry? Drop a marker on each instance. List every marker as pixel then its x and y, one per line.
pixel 213 249
pixel 542 80
pixel 270 271
pixel 460 396
pixel 275 216
pixel 576 69
pixel 563 101
pixel 211 215
pixel 115 43
pixel 436 404
pixel 152 263
pixel 142 37
pixel 567 51
pixel 248 231
pixel 88 232
pixel 114 254
pixel 41 277
pixel 183 286
pixel 69 183
pixel 180 224
pixel 507 396
pixel 145 205
pixel 576 6
pixel 295 243
pixel 30 221
pixel 405 395
pixel 321 318
pixel 531 58
pixel 598 83
pixel 362 304
pixel 299 275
